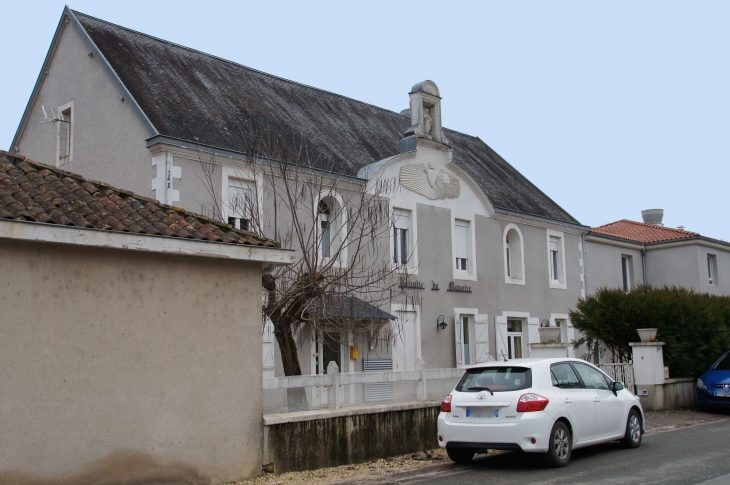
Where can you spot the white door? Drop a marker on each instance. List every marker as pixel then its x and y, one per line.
pixel 327 348
pixel 405 341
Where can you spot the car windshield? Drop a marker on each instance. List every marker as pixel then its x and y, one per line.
pixel 495 379
pixel 723 364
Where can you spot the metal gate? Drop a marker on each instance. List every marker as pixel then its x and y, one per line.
pixel 382 391
pixel 621 372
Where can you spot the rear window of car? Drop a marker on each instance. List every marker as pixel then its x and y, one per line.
pixel 723 363
pixel 497 379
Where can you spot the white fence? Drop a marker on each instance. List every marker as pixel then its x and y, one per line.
pixel 621 372
pixel 332 384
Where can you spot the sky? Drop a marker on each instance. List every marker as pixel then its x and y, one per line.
pixel 608 107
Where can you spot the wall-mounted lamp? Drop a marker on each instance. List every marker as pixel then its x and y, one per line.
pixel 441 323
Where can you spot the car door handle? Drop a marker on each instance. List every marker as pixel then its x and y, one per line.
pixel 568 401
pixel 596 400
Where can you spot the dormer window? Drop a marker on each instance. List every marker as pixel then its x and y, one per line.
pixel 240 204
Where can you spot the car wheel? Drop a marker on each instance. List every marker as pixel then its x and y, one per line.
pixel 460 456
pixel 632 438
pixel 558 454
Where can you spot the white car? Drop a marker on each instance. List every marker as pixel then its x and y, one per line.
pixel 549 406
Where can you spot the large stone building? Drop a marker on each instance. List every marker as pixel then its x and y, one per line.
pixel 496 256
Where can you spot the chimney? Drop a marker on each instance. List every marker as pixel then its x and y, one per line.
pixel 653 216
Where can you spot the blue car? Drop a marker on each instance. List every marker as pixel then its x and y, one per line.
pixel 713 388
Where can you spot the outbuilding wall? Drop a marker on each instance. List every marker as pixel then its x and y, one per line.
pixel 128 366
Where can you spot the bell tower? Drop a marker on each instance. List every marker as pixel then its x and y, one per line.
pixel 425 116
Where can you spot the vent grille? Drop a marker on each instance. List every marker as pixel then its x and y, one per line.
pixel 382 391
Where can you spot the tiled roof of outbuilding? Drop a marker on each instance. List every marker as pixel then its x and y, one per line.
pixel 641 232
pixel 32 191
pixel 205 100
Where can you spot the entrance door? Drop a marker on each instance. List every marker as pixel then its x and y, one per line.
pixel 405 342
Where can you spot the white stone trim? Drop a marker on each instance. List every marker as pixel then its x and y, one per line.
pixel 341 231
pixel 163 183
pixel 471 273
pixel 81 236
pixel 510 279
pixel 72 128
pixel 406 205
pixel 563 284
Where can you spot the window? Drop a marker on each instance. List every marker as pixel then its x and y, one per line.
pixel 513 259
pixel 401 236
pixel 461 244
pixel 627 272
pixel 325 228
pixel 592 378
pixel 240 203
pixel 497 379
pixel 712 269
pixel 514 339
pixel 556 259
pixel 563 376
pixel 65 133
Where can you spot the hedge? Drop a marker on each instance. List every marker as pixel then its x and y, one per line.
pixel 694 326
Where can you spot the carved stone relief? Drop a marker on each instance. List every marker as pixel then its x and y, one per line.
pixel 429 181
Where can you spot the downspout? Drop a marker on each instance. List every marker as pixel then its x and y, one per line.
pixel 585 272
pixel 643 262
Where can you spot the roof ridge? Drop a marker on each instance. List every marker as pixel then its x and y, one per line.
pixel 648 225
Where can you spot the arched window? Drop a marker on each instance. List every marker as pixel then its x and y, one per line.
pixel 332 228
pixel 514 261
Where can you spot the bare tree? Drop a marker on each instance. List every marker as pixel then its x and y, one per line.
pixel 341 232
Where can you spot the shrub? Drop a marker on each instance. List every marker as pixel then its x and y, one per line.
pixel 694 326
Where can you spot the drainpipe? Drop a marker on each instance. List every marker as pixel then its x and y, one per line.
pixel 585 272
pixel 643 262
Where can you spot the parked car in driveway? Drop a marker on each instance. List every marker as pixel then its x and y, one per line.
pixel 713 387
pixel 549 406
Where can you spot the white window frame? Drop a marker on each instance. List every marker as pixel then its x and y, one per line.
pixel 530 332
pixel 471 271
pixel 510 278
pixel 342 231
pixel 412 266
pixel 71 128
pixel 712 269
pixel 247 175
pixel 627 270
pixel 472 314
pixel 561 282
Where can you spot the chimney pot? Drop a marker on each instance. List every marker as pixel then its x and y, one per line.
pixel 653 216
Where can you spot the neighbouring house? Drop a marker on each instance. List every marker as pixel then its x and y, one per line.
pixel 129 335
pixel 626 253
pixel 491 256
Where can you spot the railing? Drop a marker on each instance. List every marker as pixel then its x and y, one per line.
pixel 623 372
pixel 334 379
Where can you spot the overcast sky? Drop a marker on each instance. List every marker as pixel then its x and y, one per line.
pixel 608 107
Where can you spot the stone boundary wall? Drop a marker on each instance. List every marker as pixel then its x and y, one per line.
pixel 673 394
pixel 310 440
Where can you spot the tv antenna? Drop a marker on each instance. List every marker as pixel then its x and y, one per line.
pixel 54 117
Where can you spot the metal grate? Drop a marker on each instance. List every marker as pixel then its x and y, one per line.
pixel 381 391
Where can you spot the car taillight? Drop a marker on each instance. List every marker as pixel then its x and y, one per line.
pixel 446 404
pixel 530 402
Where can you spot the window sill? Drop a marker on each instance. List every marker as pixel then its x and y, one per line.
pixel 408 269
pixel 514 281
pixel 558 285
pixel 464 275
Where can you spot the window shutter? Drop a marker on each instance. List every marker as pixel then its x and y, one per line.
pixel 461 238
pixel 459 341
pixel 554 244
pixel 239 193
pixel 533 334
pixel 401 219
pixel 500 324
pixel 481 326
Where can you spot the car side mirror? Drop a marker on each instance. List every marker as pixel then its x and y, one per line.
pixel 617 386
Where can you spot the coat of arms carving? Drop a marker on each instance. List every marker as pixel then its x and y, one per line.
pixel 429 181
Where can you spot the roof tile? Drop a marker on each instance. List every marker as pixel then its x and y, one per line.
pixel 36 192
pixel 641 232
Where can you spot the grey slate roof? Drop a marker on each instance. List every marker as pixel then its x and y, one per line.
pixel 338 306
pixel 203 99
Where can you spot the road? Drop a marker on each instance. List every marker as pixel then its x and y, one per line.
pixel 696 455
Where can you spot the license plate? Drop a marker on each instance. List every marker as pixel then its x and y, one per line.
pixel 723 393
pixel 483 413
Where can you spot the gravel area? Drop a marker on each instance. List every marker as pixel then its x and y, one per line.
pixel 397 467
